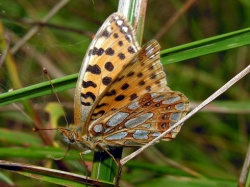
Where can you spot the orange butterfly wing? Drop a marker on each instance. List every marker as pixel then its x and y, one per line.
pixel 112 47
pixel 137 106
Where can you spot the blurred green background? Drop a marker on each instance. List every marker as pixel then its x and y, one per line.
pixel 212 145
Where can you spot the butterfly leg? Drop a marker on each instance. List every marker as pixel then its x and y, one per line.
pixel 112 156
pixel 60 158
pixel 118 176
pixel 84 163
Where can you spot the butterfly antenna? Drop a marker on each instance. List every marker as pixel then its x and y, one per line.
pixel 45 71
pixel 35 129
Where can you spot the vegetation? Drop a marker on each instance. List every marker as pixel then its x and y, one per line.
pixel 212 145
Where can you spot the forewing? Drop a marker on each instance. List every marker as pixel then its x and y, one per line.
pixel 112 47
pixel 143 74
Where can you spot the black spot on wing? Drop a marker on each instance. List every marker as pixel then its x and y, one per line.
pixel 106 80
pixel 94 51
pixel 120 43
pixel 95 69
pixel 139 74
pixel 109 51
pixel 85 103
pixel 119 97
pixel 141 83
pixel 151 67
pixel 109 66
pixel 153 76
pixel 101 105
pixel 105 33
pixel 131 73
pixel 115 35
pixel 133 96
pixel 121 56
pixel 100 113
pixel 100 51
pixel 110 93
pixel 87 95
pixel 88 84
pixel 125 86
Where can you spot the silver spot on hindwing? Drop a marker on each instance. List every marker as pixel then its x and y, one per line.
pixel 175 116
pixel 180 106
pixel 133 106
pixel 171 100
pixel 146 125
pixel 98 128
pixel 153 95
pixel 117 136
pixel 141 134
pixel 157 98
pixel 171 123
pixel 117 119
pixel 156 134
pixel 138 120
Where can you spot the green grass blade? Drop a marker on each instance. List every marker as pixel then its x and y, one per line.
pixel 206 46
pixel 38 90
pixel 176 54
pixel 52 175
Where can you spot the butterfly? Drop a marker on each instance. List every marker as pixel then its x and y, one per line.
pixel 122 98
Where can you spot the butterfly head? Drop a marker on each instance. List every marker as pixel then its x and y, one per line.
pixel 70 134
